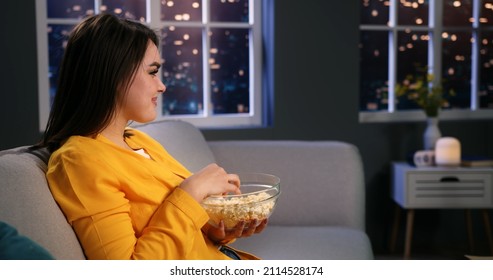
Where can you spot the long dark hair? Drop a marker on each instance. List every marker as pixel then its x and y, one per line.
pixel 102 54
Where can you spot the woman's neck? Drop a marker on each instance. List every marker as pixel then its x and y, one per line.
pixel 114 132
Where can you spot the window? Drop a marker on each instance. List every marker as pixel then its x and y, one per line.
pixel 211 52
pixel 452 38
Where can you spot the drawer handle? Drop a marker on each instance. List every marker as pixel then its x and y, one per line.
pixel 449 179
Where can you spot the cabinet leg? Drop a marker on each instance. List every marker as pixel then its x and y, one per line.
pixel 470 234
pixel 409 234
pixel 487 227
pixel 395 228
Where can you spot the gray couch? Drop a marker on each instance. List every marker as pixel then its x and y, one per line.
pixel 320 213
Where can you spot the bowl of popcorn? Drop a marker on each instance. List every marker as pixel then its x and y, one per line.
pixel 258 198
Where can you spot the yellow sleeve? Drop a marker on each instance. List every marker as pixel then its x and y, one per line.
pixel 91 196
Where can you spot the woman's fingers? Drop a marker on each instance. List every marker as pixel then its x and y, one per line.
pixel 238 230
pixel 234 179
pixel 211 180
pixel 221 235
pixel 245 229
pixel 261 226
pixel 250 229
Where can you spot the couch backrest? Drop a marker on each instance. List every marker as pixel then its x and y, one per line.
pixel 322 182
pixel 26 203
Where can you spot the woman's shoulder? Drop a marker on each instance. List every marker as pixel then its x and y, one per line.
pixel 80 146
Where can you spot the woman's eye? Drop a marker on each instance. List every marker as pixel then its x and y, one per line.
pixel 154 73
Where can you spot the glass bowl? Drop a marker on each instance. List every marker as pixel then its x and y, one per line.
pixel 258 198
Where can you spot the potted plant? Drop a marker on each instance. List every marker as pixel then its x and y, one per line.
pixel 428 94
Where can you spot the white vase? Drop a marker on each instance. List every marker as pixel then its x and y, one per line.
pixel 432 133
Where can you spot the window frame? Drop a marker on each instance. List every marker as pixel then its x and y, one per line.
pixel 435 26
pixel 254 118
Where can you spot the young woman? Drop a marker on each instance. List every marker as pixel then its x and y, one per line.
pixel 124 195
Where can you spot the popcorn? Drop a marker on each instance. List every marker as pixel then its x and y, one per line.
pixel 236 209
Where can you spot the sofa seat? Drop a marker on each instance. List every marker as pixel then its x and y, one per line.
pixel 308 243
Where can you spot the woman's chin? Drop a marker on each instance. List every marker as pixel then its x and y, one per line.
pixel 146 119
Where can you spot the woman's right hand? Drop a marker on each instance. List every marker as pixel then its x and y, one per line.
pixel 211 180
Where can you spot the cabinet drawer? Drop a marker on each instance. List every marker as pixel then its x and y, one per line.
pixel 449 190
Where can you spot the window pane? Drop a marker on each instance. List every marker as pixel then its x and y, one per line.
pixel 413 12
pixel 70 8
pixel 412 55
pixel 131 9
pixel 486 71
pixel 229 10
pixel 374 12
pixel 457 13
pixel 230 71
pixel 412 52
pixel 486 13
pixel 181 10
pixel 456 67
pixel 374 69
pixel 57 41
pixel 182 71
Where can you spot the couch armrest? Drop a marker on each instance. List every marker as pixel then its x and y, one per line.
pixel 322 182
pixel 27 205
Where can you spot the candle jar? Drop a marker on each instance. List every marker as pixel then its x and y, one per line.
pixel 447 152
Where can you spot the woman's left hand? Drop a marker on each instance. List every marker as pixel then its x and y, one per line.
pixel 221 235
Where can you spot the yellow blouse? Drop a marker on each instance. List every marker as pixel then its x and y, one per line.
pixel 125 206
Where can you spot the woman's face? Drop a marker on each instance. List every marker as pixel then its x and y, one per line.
pixel 141 99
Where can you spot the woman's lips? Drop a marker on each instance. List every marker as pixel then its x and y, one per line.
pixel 154 100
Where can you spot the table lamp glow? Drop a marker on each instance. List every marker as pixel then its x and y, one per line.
pixel 447 152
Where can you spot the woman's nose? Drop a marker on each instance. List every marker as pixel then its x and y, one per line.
pixel 161 86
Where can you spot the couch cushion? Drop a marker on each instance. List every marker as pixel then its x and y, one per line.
pixel 183 141
pixel 26 204
pixel 307 243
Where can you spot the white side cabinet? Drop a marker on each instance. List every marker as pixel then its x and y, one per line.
pixel 440 188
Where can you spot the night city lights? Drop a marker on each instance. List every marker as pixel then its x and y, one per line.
pixel 460 33
pixel 182 30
